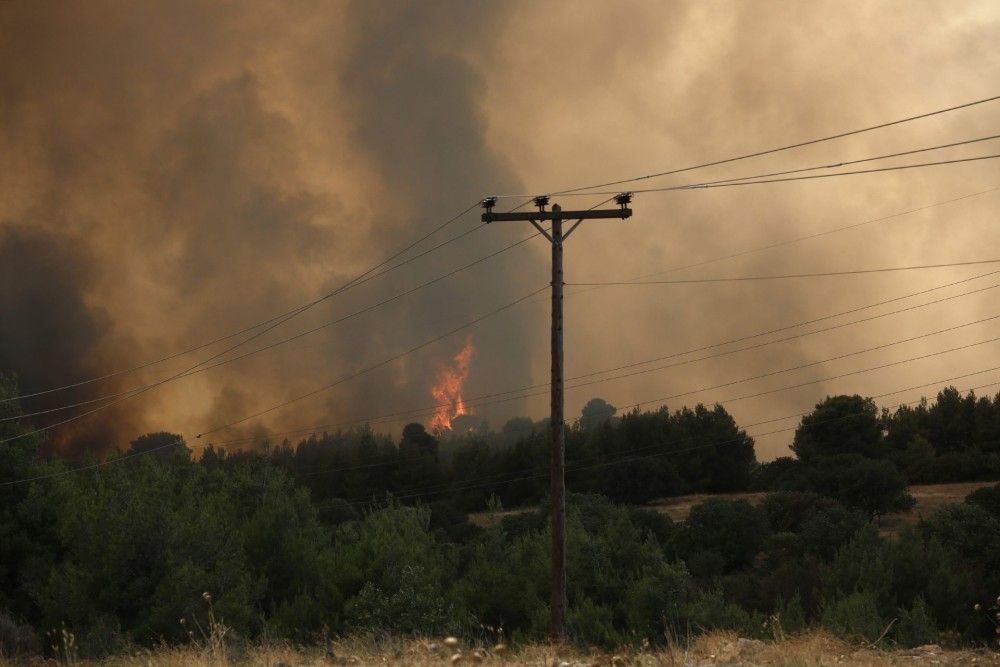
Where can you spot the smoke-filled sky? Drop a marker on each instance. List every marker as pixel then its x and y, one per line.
pixel 172 172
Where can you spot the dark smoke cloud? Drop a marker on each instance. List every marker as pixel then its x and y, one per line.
pixel 177 166
pixel 173 171
pixel 421 117
pixel 45 278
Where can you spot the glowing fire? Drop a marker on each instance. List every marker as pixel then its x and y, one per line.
pixel 448 390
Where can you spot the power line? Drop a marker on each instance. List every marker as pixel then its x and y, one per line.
pixel 807 237
pixel 375 366
pixel 812 321
pixel 477 401
pixel 138 390
pixel 371 273
pixel 746 180
pixel 770 151
pixel 361 278
pixel 761 376
pixel 937 382
pixel 754 178
pixel 193 369
pixel 809 177
pixel 493 479
pixel 289 402
pixel 793 368
pixel 852 226
pixel 833 377
pixel 847 163
pixel 820 274
pixel 223 362
pixel 791 416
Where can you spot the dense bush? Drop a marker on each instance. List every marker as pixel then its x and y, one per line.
pixel 988 498
pixel 352 532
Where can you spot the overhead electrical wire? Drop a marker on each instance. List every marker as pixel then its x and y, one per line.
pixel 476 401
pixel 368 369
pixel 472 401
pixel 311 393
pixel 723 385
pixel 484 258
pixel 301 334
pixel 134 455
pixel 892 364
pixel 817 274
pixel 498 479
pixel 776 372
pixel 770 151
pixel 196 370
pixel 361 278
pixel 193 371
pixel 847 163
pixel 493 480
pixel 281 319
pixel 441 226
pixel 799 239
pixel 740 180
pixel 661 399
pixel 808 177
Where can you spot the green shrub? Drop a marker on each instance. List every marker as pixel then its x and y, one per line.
pixel 622 583
pixel 790 615
pixel 17 640
pixel 710 610
pixel 863 564
pixel 854 616
pixel 987 498
pixel 916 625
pixel 394 575
pixel 590 624
pixel 414 604
pixel 955 467
pixel 732 529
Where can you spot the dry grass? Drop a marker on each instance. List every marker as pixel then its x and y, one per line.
pixel 809 650
pixel 678 507
pixel 929 497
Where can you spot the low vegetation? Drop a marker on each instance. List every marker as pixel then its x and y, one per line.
pixel 163 555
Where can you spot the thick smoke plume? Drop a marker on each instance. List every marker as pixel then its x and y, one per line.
pixel 173 171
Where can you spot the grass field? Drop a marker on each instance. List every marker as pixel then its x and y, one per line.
pixel 810 650
pixel 929 497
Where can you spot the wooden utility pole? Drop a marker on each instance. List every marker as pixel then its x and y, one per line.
pixel 557 430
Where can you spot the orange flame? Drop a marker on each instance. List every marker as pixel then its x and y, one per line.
pixel 448 390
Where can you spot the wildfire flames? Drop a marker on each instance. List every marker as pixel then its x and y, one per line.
pixel 448 389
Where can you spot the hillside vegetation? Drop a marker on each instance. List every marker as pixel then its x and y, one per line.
pixel 352 534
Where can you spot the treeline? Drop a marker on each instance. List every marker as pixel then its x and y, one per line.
pixel 354 532
pixel 635 458
pixel 846 448
pixel 850 450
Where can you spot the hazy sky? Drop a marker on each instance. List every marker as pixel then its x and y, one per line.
pixel 171 172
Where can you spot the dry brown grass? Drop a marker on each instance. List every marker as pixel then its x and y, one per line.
pixel 809 650
pixel 929 497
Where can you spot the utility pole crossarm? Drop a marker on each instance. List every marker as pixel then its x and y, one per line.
pixel 538 216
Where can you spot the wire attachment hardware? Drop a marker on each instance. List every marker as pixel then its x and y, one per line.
pixel 623 199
